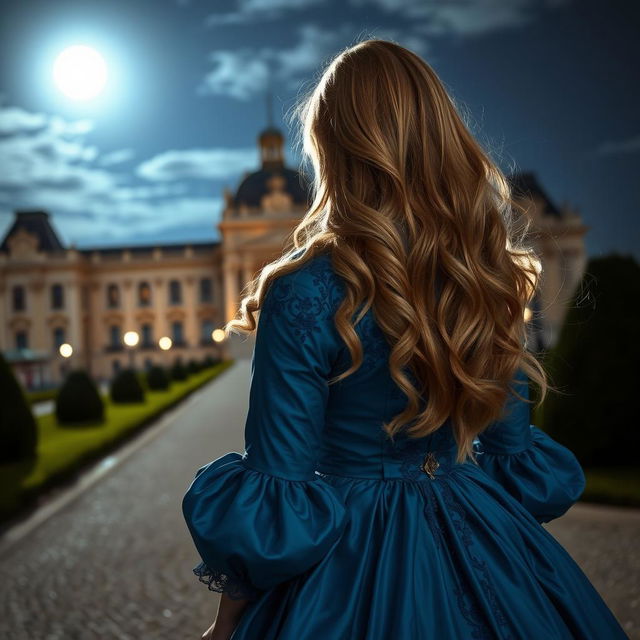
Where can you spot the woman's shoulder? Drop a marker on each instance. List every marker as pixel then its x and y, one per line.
pixel 311 287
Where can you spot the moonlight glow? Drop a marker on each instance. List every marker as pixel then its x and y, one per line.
pixel 80 72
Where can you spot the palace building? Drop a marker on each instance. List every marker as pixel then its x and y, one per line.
pixel 89 298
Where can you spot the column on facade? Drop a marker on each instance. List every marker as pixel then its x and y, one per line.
pixel 73 311
pixel 191 329
pixel 247 271
pixel 231 292
pixel 160 293
pixel 37 312
pixel 97 340
pixel 128 306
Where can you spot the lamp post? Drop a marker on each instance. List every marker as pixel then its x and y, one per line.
pixel 218 336
pixel 131 339
pixel 165 343
pixel 66 351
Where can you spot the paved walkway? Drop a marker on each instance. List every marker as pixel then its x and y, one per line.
pixel 115 563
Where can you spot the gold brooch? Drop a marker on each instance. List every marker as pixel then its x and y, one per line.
pixel 429 465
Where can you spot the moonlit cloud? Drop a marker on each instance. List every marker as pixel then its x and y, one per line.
pixel 470 18
pixel 116 157
pixel 610 147
pixel 14 120
pixel 244 73
pixel 239 74
pixel 48 164
pixel 250 11
pixel 203 164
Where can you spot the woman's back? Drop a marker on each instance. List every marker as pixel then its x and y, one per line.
pixel 334 532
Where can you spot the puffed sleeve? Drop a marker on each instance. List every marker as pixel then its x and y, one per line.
pixel 263 517
pixel 543 475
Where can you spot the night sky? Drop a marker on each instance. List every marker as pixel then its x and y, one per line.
pixel 548 86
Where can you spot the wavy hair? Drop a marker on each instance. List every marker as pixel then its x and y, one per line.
pixel 405 198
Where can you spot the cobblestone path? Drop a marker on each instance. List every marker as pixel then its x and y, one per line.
pixel 115 563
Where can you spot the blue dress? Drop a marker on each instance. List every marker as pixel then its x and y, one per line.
pixel 335 533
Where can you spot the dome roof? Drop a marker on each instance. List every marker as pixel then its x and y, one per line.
pixel 256 185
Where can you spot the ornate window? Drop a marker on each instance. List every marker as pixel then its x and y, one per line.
pixel 57 296
pixel 175 292
pixel 58 337
pixel 147 335
pixel 22 339
pixel 113 296
pixel 177 332
pixel 19 302
pixel 114 336
pixel 144 294
pixel 206 290
pixel 206 331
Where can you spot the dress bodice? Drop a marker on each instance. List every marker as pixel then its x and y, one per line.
pixel 353 442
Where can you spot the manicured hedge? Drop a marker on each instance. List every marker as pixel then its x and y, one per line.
pixel 18 428
pixel 63 451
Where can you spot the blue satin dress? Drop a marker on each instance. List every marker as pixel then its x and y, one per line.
pixel 336 533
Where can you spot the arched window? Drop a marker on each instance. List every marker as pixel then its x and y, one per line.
pixel 175 292
pixel 57 296
pixel 18 298
pixel 144 294
pixel 113 296
pixel 206 290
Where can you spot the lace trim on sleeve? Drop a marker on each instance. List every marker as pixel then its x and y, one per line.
pixel 223 583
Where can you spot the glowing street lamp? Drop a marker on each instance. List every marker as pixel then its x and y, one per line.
pixel 165 343
pixel 65 350
pixel 131 339
pixel 218 336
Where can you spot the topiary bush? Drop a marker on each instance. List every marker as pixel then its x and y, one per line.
pixel 179 371
pixel 157 379
pixel 193 366
pixel 126 387
pixel 78 400
pixel 210 361
pixel 18 427
pixel 595 366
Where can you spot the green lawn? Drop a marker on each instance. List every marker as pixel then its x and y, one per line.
pixel 63 450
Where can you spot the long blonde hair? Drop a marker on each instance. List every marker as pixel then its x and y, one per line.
pixel 404 195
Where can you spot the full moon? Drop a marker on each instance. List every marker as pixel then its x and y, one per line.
pixel 80 72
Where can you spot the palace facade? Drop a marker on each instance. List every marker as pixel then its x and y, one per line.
pixel 89 298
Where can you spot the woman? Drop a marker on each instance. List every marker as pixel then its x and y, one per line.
pixel 359 509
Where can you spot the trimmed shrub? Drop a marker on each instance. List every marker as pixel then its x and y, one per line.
pixel 126 387
pixel 18 427
pixel 78 400
pixel 157 379
pixel 178 371
pixel 210 361
pixel 595 366
pixel 193 366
